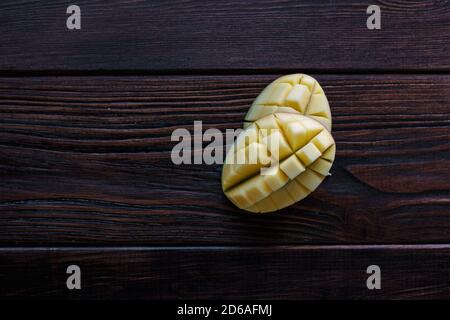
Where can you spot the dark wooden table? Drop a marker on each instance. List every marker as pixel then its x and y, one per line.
pixel 86 176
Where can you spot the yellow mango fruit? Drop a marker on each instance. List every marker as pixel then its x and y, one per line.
pixel 294 93
pixel 282 158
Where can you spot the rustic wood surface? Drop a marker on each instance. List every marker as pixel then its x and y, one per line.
pixel 317 272
pixel 319 35
pixel 85 171
pixel 87 161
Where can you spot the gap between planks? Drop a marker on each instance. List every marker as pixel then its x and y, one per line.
pixel 218 72
pixel 229 248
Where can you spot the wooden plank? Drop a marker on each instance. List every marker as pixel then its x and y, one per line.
pixel 86 160
pixel 224 35
pixel 334 272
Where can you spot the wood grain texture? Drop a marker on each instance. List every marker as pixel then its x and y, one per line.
pixel 253 35
pixel 86 160
pixel 335 272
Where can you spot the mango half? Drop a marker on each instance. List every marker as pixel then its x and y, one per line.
pixel 276 161
pixel 294 93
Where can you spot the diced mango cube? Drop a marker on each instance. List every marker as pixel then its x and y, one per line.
pixel 274 177
pixel 292 167
pixel 330 153
pixel 281 199
pixel 309 82
pixel 323 141
pixel 296 190
pixel 309 179
pixel 279 93
pixel 296 134
pixel 277 145
pixel 321 166
pixel 293 79
pixel 308 154
pixel 318 106
pixel 298 98
pixel 266 205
